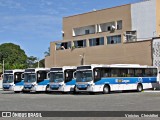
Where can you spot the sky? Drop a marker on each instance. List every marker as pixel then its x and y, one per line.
pixel 33 24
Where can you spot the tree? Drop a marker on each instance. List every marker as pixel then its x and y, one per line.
pixel 13 55
pixel 47 53
pixel 31 61
pixel 41 64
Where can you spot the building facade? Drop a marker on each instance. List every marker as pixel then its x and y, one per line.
pixel 118 35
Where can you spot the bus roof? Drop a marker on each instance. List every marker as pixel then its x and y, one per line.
pixel 62 68
pixel 13 71
pixel 35 69
pixel 115 66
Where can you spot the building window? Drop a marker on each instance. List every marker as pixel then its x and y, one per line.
pixel 63 46
pixel 96 41
pixel 80 43
pixel 91 29
pixel 114 39
pixel 86 31
pixel 105 27
pixel 131 36
pixel 119 25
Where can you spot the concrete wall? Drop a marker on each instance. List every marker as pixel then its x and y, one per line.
pixel 129 53
pixel 158 17
pixel 97 17
pixel 143 16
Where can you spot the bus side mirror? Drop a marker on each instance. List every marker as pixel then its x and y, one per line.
pixel 74 75
pixel 39 75
pixel 66 75
pixel 95 73
pixel 16 76
pixel 22 75
pixel 48 75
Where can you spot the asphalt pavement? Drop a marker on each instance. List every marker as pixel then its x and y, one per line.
pixel 117 101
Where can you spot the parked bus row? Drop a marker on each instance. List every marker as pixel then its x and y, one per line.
pixel 86 78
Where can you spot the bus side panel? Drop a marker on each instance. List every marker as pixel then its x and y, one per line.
pixel 69 86
pixel 129 83
pixel 19 86
pixel 42 85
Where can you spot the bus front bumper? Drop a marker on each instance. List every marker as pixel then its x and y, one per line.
pixel 62 88
pixel 18 88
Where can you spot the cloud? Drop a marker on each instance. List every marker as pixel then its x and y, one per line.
pixel 11 4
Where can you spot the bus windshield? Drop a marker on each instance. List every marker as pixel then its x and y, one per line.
pixel 84 76
pixel 8 78
pixel 56 77
pixel 29 77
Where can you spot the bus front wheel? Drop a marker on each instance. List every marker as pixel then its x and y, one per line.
pixel 139 88
pixel 106 89
pixel 47 89
pixel 16 91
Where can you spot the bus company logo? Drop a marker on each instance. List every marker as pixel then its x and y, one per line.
pixel 118 80
pixel 6 114
pixel 140 80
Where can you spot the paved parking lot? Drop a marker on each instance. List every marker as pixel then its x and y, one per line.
pixel 128 101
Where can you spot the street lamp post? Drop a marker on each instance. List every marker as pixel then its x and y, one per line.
pixel 2 58
pixel 3 67
pixel 82 59
pixel 38 62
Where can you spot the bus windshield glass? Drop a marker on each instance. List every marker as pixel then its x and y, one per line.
pixel 56 77
pixel 8 78
pixel 84 76
pixel 29 77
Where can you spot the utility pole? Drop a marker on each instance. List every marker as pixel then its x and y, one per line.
pixel 38 62
pixel 3 67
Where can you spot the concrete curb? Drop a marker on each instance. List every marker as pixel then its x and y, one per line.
pixel 158 91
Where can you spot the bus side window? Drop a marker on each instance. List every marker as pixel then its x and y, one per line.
pixel 41 75
pixel 105 72
pixel 17 77
pixel 97 75
pixel 155 71
pixel 138 72
pixel 69 75
pixel 130 72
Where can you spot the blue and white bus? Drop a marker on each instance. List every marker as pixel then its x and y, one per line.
pixel 12 80
pixel 106 78
pixel 61 79
pixel 35 80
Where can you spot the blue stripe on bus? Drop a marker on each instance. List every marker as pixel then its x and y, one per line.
pixel 44 82
pixel 72 82
pixel 126 80
pixel 20 83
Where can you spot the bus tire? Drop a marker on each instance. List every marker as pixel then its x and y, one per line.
pixel 25 91
pixel 106 89
pixel 16 91
pixel 91 93
pixel 139 87
pixel 74 90
pixel 47 87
